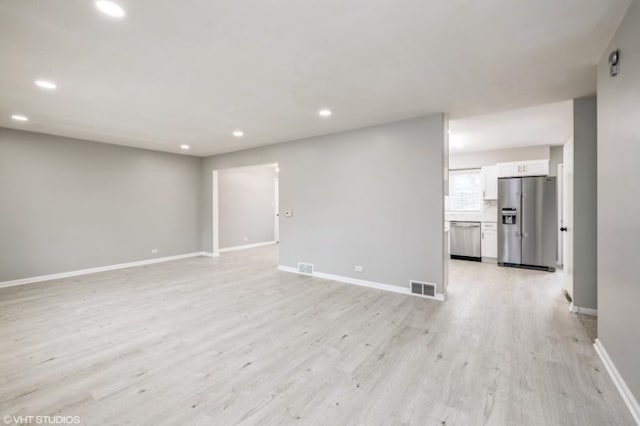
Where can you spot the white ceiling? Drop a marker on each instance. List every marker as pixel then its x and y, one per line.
pixel 549 124
pixel 192 71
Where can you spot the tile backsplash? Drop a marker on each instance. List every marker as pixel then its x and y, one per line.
pixel 489 213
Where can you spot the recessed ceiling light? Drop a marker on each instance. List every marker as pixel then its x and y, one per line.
pixel 19 117
pixel 324 113
pixel 238 133
pixel 184 146
pixel 110 8
pixel 45 84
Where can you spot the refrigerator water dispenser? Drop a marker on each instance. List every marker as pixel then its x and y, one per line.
pixel 508 216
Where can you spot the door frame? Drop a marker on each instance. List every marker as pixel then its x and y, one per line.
pixel 276 205
pixel 568 213
pixel 215 215
pixel 560 182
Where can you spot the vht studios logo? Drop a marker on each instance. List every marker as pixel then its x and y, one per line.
pixel 42 420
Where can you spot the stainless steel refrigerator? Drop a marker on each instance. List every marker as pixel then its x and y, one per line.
pixel 527 222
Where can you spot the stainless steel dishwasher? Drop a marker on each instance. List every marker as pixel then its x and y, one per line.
pixel 465 240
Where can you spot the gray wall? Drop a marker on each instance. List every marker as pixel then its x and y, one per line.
pixel 370 197
pixel 475 160
pixel 618 202
pixel 71 204
pixel 585 164
pixel 556 154
pixel 246 205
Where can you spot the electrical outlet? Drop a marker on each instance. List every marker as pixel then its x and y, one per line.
pixel 358 268
pixel 154 251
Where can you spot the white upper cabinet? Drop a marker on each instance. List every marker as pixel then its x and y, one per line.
pixel 490 182
pixel 523 168
pixel 509 169
pixel 535 168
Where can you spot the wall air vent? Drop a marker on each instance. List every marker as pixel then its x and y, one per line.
pixel 428 289
pixel 422 288
pixel 305 268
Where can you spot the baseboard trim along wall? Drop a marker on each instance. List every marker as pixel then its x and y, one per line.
pixel 246 246
pixel 210 254
pixel 100 269
pixel 362 283
pixel 584 311
pixel 624 390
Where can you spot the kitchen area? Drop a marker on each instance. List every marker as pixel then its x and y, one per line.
pixel 508 198
pixel 505 213
pixel 521 199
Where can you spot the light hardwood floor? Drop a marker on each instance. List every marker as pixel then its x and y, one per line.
pixel 231 340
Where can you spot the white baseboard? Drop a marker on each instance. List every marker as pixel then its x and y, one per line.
pixel 362 283
pixel 246 246
pixel 97 269
pixel 210 254
pixel 584 311
pixel 624 390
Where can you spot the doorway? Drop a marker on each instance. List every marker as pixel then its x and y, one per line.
pixel 519 238
pixel 245 207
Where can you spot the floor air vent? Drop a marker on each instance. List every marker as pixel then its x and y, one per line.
pixel 305 268
pixel 424 289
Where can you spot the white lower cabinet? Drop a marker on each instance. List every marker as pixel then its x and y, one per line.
pixel 489 240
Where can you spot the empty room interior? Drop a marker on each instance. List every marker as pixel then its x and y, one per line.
pixel 364 213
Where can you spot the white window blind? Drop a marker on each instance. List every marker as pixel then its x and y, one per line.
pixel 465 190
